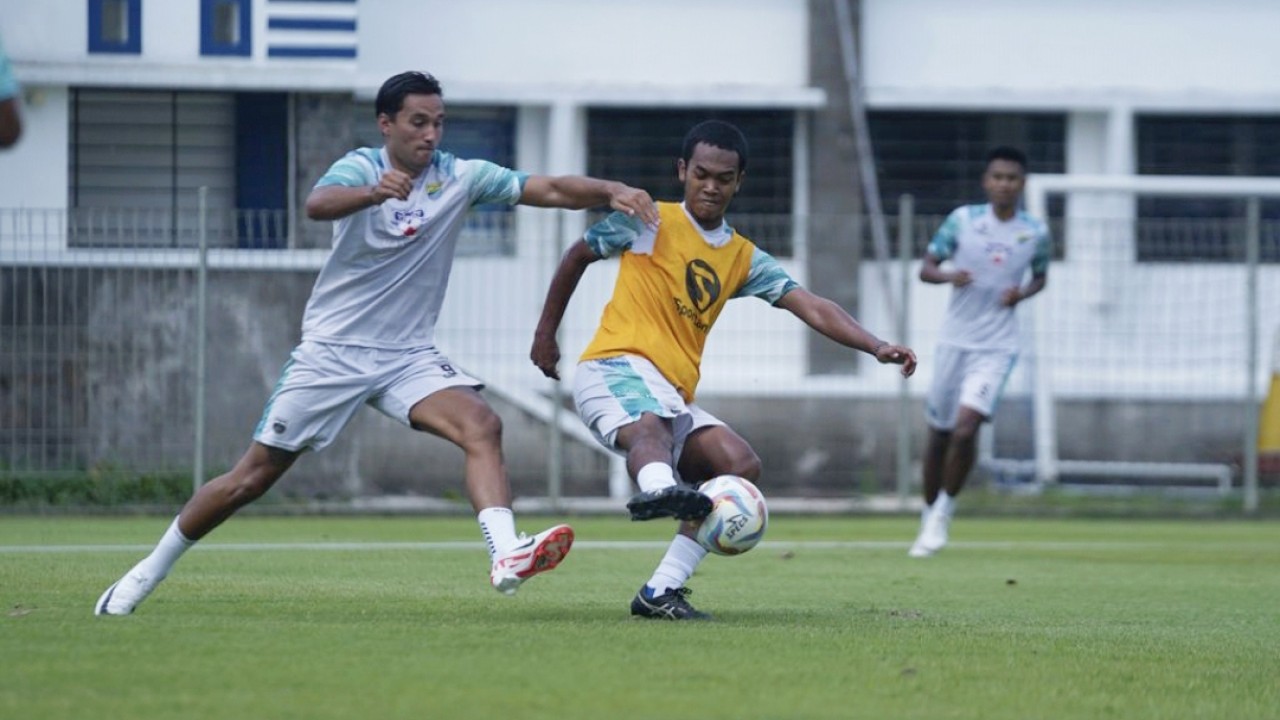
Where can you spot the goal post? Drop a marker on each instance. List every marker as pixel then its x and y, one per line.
pixel 1097 275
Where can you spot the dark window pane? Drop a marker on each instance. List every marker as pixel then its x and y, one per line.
pixel 1204 145
pixel 115 22
pixel 939 157
pixel 226 22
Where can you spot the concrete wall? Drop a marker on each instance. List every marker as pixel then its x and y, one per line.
pixel 324 132
pixel 1006 53
pixel 760 365
pixel 519 48
pixel 835 202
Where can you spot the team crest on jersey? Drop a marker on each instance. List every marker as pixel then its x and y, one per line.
pixel 997 252
pixel 407 222
pixel 433 188
pixel 702 283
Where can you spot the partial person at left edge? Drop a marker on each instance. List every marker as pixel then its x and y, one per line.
pixel 368 332
pixel 10 114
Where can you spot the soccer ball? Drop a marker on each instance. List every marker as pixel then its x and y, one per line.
pixel 738 516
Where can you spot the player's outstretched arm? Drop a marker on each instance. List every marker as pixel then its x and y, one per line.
pixel 832 321
pixel 577 192
pixel 546 349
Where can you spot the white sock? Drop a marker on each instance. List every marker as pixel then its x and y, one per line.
pixel 677 565
pixel 171 546
pixel 655 476
pixel 945 504
pixel 498 525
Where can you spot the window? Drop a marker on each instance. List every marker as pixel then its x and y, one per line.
pixel 640 148
pixel 137 160
pixel 225 27
pixel 115 26
pixel 939 157
pixel 1199 229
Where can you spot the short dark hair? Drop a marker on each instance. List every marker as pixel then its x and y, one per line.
pixel 392 93
pixel 716 133
pixel 1006 152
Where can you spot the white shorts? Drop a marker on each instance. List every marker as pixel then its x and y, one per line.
pixel 323 385
pixel 614 392
pixel 969 378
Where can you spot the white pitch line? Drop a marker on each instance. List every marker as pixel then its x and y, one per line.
pixel 585 544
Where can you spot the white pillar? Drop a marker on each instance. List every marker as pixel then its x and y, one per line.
pixel 534 226
pixel 1099 231
pixel 550 140
pixel 567 155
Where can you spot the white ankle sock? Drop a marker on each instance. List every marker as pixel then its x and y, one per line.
pixel 499 527
pixel 945 504
pixel 655 476
pixel 171 547
pixel 677 565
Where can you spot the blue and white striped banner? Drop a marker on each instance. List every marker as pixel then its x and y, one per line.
pixel 323 29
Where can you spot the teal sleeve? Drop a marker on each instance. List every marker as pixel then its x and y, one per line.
pixel 943 244
pixel 613 234
pixel 767 279
pixel 1044 249
pixel 355 169
pixel 489 182
pixel 8 83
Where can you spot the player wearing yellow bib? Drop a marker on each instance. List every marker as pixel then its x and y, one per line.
pixel 636 383
pixel 667 299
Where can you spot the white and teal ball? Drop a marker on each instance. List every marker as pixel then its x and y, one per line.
pixel 738 516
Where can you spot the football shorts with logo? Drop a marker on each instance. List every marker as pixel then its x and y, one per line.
pixel 614 392
pixel 323 385
pixel 968 378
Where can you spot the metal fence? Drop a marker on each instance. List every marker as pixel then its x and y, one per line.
pixel 119 352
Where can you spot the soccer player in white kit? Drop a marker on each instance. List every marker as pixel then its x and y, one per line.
pixel 368 331
pixel 991 247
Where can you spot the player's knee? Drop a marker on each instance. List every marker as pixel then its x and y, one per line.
pixel 966 430
pixel 482 428
pixel 747 465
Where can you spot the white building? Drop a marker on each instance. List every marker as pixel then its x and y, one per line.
pixel 130 105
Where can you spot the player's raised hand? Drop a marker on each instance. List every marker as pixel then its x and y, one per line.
pixel 634 202
pixel 546 354
pixel 393 184
pixel 897 355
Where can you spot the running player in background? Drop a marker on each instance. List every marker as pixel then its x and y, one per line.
pixel 635 384
pixel 368 332
pixel 991 247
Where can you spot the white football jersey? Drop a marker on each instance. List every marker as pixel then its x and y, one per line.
pixel 997 255
pixel 384 282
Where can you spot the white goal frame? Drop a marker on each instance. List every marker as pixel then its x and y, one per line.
pixel 1046 465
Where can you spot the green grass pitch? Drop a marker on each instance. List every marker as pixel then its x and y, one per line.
pixel 393 618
